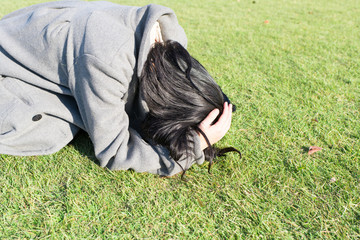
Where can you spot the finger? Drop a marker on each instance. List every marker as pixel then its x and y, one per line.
pixel 228 123
pixel 224 116
pixel 210 117
pixel 229 113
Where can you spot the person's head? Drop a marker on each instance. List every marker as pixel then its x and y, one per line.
pixel 180 93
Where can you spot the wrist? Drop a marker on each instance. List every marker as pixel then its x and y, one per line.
pixel 203 143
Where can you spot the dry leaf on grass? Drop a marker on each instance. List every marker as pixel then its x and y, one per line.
pixel 314 149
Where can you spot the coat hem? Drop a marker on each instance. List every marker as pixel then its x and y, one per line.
pixel 51 150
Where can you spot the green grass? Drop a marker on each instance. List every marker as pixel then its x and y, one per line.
pixel 296 82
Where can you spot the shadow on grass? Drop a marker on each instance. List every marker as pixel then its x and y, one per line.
pixel 305 149
pixel 84 146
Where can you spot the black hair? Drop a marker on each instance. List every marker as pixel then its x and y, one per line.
pixel 180 93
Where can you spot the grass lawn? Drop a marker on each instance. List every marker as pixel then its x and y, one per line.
pixel 293 70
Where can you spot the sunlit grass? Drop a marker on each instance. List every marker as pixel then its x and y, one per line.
pixel 292 69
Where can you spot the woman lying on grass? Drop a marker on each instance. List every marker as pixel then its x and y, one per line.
pixel 120 73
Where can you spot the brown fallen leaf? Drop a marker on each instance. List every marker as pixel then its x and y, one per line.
pixel 314 149
pixel 314 120
pixel 200 202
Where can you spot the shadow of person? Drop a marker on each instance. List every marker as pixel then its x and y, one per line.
pixel 82 143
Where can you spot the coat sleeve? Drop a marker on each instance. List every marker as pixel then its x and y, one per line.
pixel 98 89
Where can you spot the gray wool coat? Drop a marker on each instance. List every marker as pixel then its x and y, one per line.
pixel 71 65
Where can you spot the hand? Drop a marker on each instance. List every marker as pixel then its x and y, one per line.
pixel 218 130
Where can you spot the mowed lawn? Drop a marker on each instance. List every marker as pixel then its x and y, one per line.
pixel 293 70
